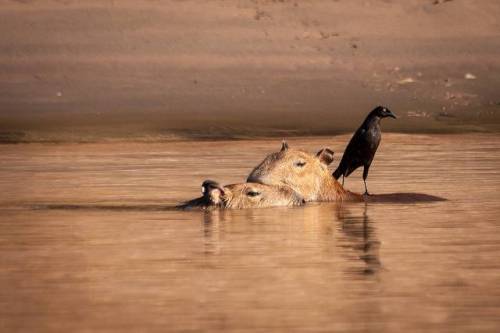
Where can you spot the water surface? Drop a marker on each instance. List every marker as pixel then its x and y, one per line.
pixel 87 242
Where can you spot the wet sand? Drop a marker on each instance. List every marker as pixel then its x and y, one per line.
pixel 122 262
pixel 81 71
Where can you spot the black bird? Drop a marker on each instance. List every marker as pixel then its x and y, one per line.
pixel 363 145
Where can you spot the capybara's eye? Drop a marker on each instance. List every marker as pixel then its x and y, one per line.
pixel 300 164
pixel 253 193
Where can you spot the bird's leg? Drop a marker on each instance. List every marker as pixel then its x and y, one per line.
pixel 366 189
pixel 365 175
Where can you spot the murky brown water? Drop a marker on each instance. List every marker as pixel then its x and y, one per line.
pixel 111 259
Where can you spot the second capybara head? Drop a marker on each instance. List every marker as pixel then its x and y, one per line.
pixel 243 195
pixel 252 195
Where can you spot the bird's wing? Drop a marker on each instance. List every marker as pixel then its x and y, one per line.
pixel 353 149
pixel 353 154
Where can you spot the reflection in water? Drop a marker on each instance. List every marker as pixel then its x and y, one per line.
pixel 212 223
pixel 358 233
pixel 362 237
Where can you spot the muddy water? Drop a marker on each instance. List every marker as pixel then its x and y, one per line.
pixel 87 242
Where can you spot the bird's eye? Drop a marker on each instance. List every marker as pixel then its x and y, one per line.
pixel 300 164
pixel 253 193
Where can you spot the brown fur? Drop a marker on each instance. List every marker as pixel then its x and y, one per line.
pixel 246 195
pixel 306 174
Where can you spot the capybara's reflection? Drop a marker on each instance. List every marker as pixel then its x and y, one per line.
pixel 324 228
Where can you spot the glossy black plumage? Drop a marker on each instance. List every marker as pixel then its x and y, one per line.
pixel 363 145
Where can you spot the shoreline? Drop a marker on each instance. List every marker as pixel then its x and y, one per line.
pixel 153 139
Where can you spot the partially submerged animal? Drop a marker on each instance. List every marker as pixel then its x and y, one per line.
pixel 305 173
pixel 308 175
pixel 244 195
pixel 363 145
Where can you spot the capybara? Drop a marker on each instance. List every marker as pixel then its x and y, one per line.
pixel 244 195
pixel 305 173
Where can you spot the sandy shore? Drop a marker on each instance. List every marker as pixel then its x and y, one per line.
pixel 72 70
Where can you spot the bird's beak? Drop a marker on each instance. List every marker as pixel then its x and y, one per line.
pixel 392 115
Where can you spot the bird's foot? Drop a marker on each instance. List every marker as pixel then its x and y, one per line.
pixel 366 193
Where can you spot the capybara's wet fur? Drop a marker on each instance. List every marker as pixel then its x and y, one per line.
pixel 246 195
pixel 305 173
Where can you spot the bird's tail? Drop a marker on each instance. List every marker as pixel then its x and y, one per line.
pixel 337 173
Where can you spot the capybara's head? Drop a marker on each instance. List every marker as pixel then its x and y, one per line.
pixel 244 195
pixel 253 195
pixel 305 173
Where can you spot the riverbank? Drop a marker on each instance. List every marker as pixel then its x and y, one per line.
pixel 80 71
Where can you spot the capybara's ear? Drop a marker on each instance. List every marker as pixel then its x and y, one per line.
pixel 284 145
pixel 325 155
pixel 208 185
pixel 216 195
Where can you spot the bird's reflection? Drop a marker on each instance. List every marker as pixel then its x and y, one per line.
pixel 361 236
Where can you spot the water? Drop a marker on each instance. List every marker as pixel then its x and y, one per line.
pixel 87 242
